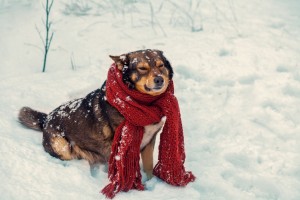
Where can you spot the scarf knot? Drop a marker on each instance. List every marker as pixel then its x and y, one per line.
pixel 140 110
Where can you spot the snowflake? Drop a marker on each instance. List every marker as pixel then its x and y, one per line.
pixel 128 98
pixel 135 60
pixel 119 102
pixel 117 158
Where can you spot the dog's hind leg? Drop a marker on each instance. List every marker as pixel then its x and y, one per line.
pixel 94 169
pixel 57 146
pixel 62 147
pixel 94 159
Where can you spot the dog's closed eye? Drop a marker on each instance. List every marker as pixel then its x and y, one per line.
pixel 143 70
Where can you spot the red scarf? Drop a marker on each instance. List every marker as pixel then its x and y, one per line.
pixel 140 110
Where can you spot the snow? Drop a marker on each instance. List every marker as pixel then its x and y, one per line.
pixel 237 80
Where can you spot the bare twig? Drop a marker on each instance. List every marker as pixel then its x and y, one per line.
pixel 35 46
pixel 40 35
pixel 72 62
pixel 153 19
pixel 232 11
pixel 48 39
pixel 188 16
pixel 152 16
pixel 233 24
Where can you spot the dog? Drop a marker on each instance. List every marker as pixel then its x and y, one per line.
pixel 84 128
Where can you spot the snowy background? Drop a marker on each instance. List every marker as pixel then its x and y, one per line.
pixel 237 79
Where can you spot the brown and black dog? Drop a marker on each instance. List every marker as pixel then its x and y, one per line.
pixel 84 128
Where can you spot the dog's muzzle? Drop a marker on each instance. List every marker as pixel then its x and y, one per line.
pixel 159 82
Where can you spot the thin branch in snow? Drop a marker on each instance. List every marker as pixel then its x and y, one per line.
pixel 32 45
pixel 153 19
pixel 73 62
pixel 188 15
pixel 48 34
pixel 40 35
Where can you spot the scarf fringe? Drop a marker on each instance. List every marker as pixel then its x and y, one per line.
pixel 124 168
pixel 112 189
pixel 175 177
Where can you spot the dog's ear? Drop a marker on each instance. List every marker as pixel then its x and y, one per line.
pixel 168 65
pixel 120 61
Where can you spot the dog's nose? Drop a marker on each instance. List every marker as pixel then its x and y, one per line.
pixel 158 81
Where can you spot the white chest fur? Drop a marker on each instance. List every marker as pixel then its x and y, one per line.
pixel 151 130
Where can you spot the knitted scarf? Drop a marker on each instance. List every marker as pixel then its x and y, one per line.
pixel 140 110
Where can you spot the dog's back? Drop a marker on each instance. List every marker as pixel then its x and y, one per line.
pixel 82 128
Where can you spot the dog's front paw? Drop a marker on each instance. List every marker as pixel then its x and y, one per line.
pixel 149 174
pixel 163 120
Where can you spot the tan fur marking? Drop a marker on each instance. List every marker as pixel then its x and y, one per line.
pixel 61 147
pixel 134 77
pixel 106 131
pixel 159 63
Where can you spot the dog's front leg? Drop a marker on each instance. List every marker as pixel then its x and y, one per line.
pixel 147 158
pixel 148 144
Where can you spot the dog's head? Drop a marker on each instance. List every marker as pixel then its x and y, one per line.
pixel 147 71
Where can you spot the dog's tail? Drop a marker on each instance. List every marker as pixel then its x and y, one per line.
pixel 31 118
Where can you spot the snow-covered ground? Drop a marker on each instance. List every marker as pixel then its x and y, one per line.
pixel 237 79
